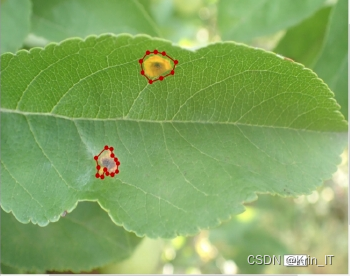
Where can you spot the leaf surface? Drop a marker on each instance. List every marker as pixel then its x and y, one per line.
pixel 15 24
pixel 245 20
pixel 81 241
pixel 232 122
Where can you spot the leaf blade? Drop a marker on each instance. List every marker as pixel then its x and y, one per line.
pixel 205 140
pixel 83 240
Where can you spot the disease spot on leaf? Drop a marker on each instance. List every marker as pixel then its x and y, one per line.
pixel 106 163
pixel 289 59
pixel 157 65
pixel 285 58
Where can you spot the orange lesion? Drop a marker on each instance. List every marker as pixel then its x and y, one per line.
pixel 156 66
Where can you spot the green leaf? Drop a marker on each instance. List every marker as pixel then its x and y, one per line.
pixel 61 19
pixel 245 20
pixel 332 64
pixel 5 269
pixel 15 24
pixel 82 240
pixel 303 42
pixel 233 121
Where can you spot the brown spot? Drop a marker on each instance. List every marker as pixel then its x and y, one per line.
pixel 289 59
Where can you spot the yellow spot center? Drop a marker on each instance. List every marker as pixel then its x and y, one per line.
pixel 156 66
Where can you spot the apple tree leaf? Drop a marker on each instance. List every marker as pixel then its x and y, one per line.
pixel 233 121
pixel 80 241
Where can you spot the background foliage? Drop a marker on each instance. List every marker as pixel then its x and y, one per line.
pixel 272 224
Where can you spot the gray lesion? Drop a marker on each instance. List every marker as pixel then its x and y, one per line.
pixel 157 65
pixel 108 163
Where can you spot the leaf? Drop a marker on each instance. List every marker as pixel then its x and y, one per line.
pixel 303 42
pixel 15 24
pixel 332 64
pixel 83 240
pixel 10 270
pixel 61 19
pixel 232 122
pixel 245 20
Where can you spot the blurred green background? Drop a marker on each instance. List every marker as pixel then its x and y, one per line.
pixel 311 32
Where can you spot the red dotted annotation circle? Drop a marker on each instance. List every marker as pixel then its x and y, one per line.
pixel 143 72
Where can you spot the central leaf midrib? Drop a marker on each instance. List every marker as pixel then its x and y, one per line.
pixel 24 113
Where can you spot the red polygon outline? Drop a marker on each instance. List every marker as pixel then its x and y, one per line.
pixel 105 170
pixel 156 52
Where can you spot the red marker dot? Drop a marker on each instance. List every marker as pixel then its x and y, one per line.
pixel 107 173
pixel 102 176
pixel 176 61
pixel 106 147
pixel 155 52
pixel 118 163
pixel 142 72
pixel 141 60
pixel 104 169
pixel 111 148
pixel 97 175
pixel 115 159
pixel 95 157
pixel 116 171
pixel 172 72
pixel 161 78
pixel 98 167
pixel 163 53
pixel 150 81
pixel 112 155
pixel 112 174
pixel 148 52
